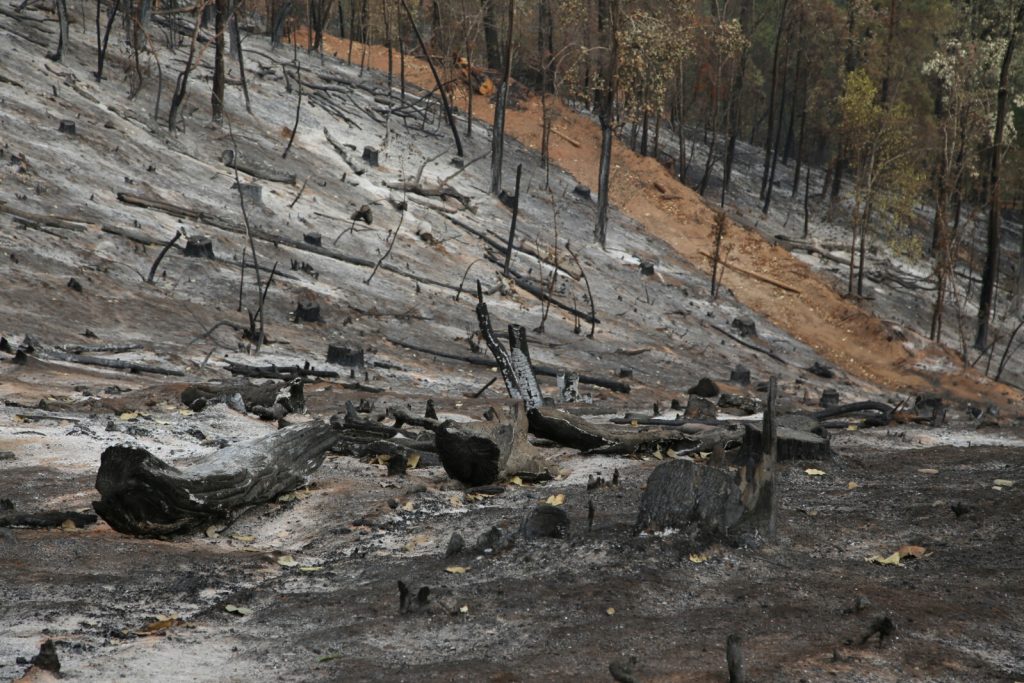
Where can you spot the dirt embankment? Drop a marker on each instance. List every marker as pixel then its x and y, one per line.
pixel 834 326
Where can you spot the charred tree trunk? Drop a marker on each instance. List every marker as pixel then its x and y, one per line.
pixel 491 47
pixel 145 496
pixel 746 14
pixel 771 97
pixel 220 27
pixel 498 131
pixel 990 273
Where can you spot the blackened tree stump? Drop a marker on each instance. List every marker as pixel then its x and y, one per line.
pixel 349 356
pixel 708 502
pixel 142 495
pixel 480 453
pixel 199 246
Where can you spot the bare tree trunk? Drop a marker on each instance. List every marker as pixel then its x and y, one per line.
pixel 220 26
pixel 771 97
pixel 608 18
pixel 491 35
pixel 62 39
pixel 991 270
pixel 746 14
pixel 498 131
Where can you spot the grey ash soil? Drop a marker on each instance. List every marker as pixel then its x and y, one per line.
pixel 537 610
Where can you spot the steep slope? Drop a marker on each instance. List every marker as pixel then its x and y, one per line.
pixel 837 328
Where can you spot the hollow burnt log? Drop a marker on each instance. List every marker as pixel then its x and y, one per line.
pixel 142 495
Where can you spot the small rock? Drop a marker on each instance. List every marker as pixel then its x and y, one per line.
pixel 314 238
pixel 740 375
pixel 646 268
pixel 371 155
pixel 625 372
pixel 74 285
pixel 67 126
pixel 582 191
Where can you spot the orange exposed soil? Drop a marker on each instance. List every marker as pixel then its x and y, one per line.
pixel 835 327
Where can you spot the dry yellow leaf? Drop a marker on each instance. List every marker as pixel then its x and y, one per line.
pixel 610 611
pixel 1003 482
pixel 408 507
pixel 556 499
pixel 928 470
pixel 211 532
pixel 309 568
pixel 852 485
pixel 161 623
pixel 68 525
pixel 516 480
pixel 464 609
pixel 814 472
pixel 893 559
pixel 234 609
pixel 412 461
pixel 129 416
pixel 851 428
pixel 697 558
pixel 185 411
pixel 456 570
pixel 287 561
pixel 914 551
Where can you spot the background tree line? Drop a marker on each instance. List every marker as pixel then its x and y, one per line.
pixel 909 108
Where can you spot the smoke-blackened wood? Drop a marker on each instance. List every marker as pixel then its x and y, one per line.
pixel 861 406
pixel 48 519
pixel 478 453
pixel 546 521
pixel 199 246
pixel 793 444
pixel 285 372
pixel 287 394
pixel 519 354
pixel 501 356
pixel 142 495
pixel 709 502
pixel 349 356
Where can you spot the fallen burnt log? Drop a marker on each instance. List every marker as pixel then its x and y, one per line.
pixel 285 372
pixel 709 502
pixel 273 399
pixel 538 369
pixel 48 519
pixel 576 432
pixel 142 495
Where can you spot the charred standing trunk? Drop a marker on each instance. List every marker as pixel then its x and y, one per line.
pixel 498 131
pixel 771 97
pixel 608 21
pixel 491 34
pixel 991 269
pixel 746 12
pixel 220 27
pixel 62 39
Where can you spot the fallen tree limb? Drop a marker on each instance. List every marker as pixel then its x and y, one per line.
pixel 754 347
pixel 62 222
pixel 255 169
pixel 861 406
pixel 48 519
pixel 112 363
pixel 142 495
pixel 299 245
pixel 546 370
pixel 756 276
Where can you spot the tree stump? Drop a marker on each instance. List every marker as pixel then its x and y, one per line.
pixel 705 388
pixel 314 238
pixel 546 521
pixel 700 408
pixel 199 246
pixel 479 453
pixel 582 191
pixel 371 155
pixel 740 375
pixel 829 398
pixel 708 502
pixel 349 356
pixel 307 313
pixel 744 326
pixel 142 495
pixel 67 126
